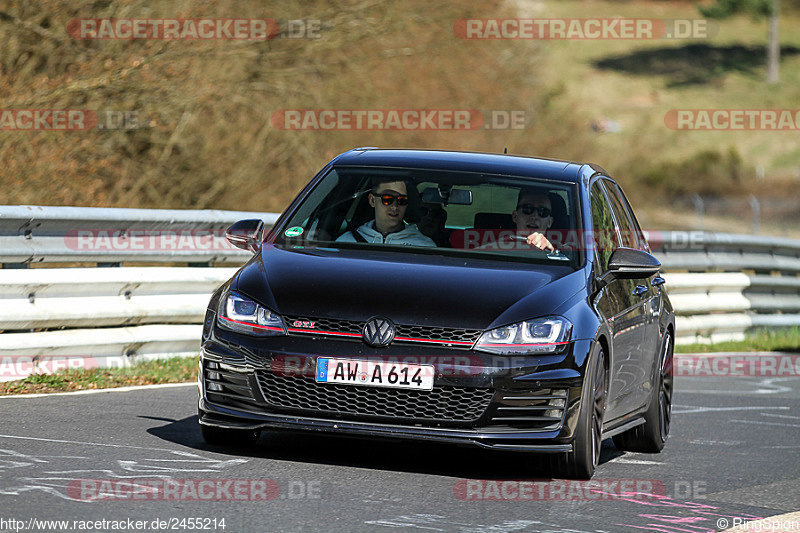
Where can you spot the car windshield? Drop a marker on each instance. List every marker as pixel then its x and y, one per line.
pixel 438 212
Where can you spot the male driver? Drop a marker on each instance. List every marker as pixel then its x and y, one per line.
pixel 533 216
pixel 389 199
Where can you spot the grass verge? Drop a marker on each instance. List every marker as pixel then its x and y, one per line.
pixel 172 370
pixel 785 340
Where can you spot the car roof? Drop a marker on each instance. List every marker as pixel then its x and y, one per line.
pixel 504 164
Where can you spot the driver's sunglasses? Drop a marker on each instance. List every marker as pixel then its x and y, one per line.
pixel 389 199
pixel 529 209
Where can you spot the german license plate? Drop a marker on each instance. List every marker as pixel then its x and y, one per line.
pixel 374 373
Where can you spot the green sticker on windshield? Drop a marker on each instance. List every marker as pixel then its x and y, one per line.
pixel 295 231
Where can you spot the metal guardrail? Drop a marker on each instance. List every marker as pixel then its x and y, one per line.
pixel 696 251
pixel 54 318
pixel 724 284
pixel 721 285
pixel 34 234
pixel 100 297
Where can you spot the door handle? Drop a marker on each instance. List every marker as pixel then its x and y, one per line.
pixel 657 281
pixel 640 291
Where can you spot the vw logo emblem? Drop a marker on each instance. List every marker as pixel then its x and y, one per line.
pixel 378 332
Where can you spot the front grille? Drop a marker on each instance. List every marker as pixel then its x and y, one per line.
pixel 432 333
pixel 541 409
pixel 229 386
pixel 404 333
pixel 442 404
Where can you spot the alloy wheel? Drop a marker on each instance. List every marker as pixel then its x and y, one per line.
pixel 665 389
pixel 598 408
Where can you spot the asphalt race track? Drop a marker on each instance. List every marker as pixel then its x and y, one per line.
pixel 138 456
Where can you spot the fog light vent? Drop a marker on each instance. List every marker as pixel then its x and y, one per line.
pixel 541 409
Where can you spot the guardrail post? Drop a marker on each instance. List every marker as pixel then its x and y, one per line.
pixel 755 206
pixel 698 210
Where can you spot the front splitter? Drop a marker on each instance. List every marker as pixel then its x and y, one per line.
pixel 216 416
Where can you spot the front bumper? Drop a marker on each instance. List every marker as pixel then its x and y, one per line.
pixel 520 403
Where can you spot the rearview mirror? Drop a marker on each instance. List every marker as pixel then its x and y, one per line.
pixel 246 234
pixel 432 195
pixel 629 263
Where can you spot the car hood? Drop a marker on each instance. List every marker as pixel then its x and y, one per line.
pixel 408 288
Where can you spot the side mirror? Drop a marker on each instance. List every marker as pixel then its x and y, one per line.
pixel 246 234
pixel 629 263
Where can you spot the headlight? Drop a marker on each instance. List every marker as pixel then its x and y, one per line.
pixel 543 335
pixel 241 314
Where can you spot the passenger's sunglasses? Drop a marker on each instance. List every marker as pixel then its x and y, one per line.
pixel 389 199
pixel 529 209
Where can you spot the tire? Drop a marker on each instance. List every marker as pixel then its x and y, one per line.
pixel 651 436
pixel 215 436
pixel 582 461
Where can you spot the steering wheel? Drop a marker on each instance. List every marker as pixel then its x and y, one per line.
pixel 557 255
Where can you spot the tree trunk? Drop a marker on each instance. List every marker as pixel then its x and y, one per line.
pixel 774 48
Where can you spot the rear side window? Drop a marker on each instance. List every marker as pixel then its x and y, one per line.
pixel 643 245
pixel 605 234
pixel 627 233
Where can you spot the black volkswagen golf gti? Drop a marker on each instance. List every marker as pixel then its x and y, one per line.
pixel 482 299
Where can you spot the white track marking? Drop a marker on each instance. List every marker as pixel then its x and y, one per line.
pixel 759 422
pixel 764 386
pixel 623 460
pixel 686 409
pixel 781 416
pixel 88 443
